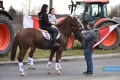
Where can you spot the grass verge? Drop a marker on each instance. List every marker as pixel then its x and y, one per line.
pixel 77 50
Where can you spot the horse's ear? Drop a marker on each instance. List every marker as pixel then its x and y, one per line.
pixel 73 16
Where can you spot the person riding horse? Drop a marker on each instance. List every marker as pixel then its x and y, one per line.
pixel 45 24
pixel 52 17
pixel 33 39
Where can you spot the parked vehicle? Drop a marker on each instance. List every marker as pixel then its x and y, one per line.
pixel 96 11
pixel 6 31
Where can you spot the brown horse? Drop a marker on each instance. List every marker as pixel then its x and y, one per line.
pixel 33 38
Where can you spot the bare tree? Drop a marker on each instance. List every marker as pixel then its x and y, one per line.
pixel 115 11
pixel 12 11
pixel 29 6
pixel 29 9
pixel 26 7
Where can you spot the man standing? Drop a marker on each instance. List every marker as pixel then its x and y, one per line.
pixel 88 40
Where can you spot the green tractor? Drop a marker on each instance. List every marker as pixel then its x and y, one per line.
pixel 6 31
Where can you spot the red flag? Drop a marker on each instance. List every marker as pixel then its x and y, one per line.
pixel 103 33
pixel 35 23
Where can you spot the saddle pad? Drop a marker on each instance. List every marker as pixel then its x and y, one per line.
pixel 47 35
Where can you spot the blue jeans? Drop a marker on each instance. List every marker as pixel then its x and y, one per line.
pixel 88 58
pixel 49 29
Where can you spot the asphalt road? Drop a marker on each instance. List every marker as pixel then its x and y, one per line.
pixel 72 70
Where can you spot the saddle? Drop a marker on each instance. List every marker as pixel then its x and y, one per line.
pixel 47 35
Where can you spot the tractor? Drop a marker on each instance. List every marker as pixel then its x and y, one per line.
pixel 96 11
pixel 6 31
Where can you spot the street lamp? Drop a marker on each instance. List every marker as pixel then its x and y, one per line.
pixel 51 3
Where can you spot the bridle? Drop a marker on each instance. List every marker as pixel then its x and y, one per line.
pixel 67 28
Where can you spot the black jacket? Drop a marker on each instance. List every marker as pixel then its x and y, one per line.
pixel 43 19
pixel 88 39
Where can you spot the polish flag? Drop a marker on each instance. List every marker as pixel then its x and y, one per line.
pixel 30 22
pixel 103 33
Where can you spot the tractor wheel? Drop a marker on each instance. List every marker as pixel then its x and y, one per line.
pixel 6 35
pixel 70 42
pixel 112 41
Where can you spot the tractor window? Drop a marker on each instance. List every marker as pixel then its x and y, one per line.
pixel 96 10
pixel 93 13
pixel 105 11
pixel 79 9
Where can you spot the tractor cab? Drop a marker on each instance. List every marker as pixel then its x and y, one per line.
pixel 89 10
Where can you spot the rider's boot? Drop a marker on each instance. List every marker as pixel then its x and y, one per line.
pixel 55 44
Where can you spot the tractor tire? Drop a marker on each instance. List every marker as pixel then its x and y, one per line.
pixel 70 42
pixel 113 39
pixel 6 35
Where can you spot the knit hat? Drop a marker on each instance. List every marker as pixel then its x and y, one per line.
pixel 91 24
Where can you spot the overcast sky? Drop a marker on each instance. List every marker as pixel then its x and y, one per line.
pixel 61 6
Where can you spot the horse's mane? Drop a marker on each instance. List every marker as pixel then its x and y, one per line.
pixel 63 21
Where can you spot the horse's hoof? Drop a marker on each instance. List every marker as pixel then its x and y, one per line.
pixel 31 67
pixel 59 72
pixel 49 72
pixel 23 74
pixel 60 68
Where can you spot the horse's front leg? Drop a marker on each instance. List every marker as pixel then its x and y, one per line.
pixel 30 58
pixel 50 60
pixel 58 57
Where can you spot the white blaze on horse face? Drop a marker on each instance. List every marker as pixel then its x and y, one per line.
pixel 21 69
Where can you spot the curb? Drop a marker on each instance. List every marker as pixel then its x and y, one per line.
pixel 69 58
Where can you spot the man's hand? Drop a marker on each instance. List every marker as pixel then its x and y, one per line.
pixel 82 32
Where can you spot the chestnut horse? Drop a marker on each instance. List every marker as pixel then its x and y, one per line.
pixel 33 38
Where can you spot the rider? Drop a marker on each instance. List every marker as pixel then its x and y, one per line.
pixel 52 17
pixel 45 24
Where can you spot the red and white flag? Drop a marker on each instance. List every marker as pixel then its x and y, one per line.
pixel 103 33
pixel 30 22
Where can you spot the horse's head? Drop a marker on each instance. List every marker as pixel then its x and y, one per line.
pixel 75 24
pixel 71 24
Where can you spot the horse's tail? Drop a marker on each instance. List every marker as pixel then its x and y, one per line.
pixel 14 48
